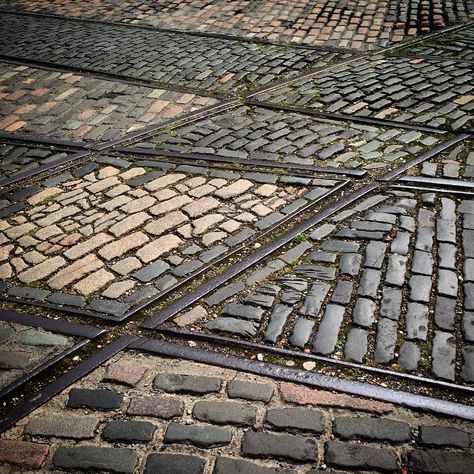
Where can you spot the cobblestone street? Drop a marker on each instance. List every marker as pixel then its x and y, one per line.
pixel 237 237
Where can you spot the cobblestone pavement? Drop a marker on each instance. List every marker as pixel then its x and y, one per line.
pixel 437 93
pixel 275 136
pixel 127 230
pixel 16 159
pixel 236 237
pixel 147 414
pixel 353 24
pixel 24 348
pixel 66 105
pixel 193 62
pixel 458 46
pixel 457 163
pixel 393 255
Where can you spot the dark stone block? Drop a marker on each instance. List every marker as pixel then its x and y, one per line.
pixel 128 431
pixel 297 448
pixel 95 399
pixel 88 458
pixel 192 384
pixel 174 464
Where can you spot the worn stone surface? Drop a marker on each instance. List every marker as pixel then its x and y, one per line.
pixel 76 427
pixel 23 453
pixel 128 431
pixel 354 456
pixel 87 102
pixel 297 418
pixel 225 413
pixel 197 431
pixel 373 311
pixel 204 436
pixel 372 428
pixel 113 48
pixel 249 133
pixel 122 229
pixel 249 390
pixel 414 80
pixel 24 349
pixel 279 446
pixel 386 280
pixel 301 23
pixel 174 463
pixel 439 436
pixel 94 399
pixel 177 383
pixel 121 460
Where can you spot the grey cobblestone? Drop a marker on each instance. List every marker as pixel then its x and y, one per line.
pixel 199 435
pixel 177 383
pixel 120 460
pixel 82 108
pixel 372 428
pixel 367 315
pixel 355 456
pixel 249 133
pixel 249 390
pixel 422 100
pixel 293 447
pixel 303 23
pixel 225 413
pixel 184 60
pixel 174 464
pixel 295 418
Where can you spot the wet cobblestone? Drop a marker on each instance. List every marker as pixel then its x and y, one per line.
pixel 455 164
pixel 293 432
pixel 70 106
pixel 359 25
pixel 24 349
pixel 417 91
pixel 193 62
pixel 122 231
pixel 458 45
pixel 272 136
pixel 16 159
pixel 183 234
pixel 393 315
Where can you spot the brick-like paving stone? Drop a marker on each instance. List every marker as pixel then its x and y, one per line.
pixel 113 233
pixel 194 62
pixel 416 91
pixel 457 163
pixel 15 159
pixel 300 430
pixel 273 136
pixel 386 282
pixel 359 25
pixel 71 106
pixel 458 45
pixel 397 255
pixel 24 348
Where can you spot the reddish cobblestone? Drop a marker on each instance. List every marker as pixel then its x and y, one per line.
pixel 23 453
pixel 127 374
pixel 305 396
pixel 87 111
pixel 353 24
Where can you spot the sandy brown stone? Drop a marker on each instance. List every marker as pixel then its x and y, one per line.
pixel 306 396
pixel 75 271
pixel 94 282
pixel 158 247
pixel 119 247
pixel 42 270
